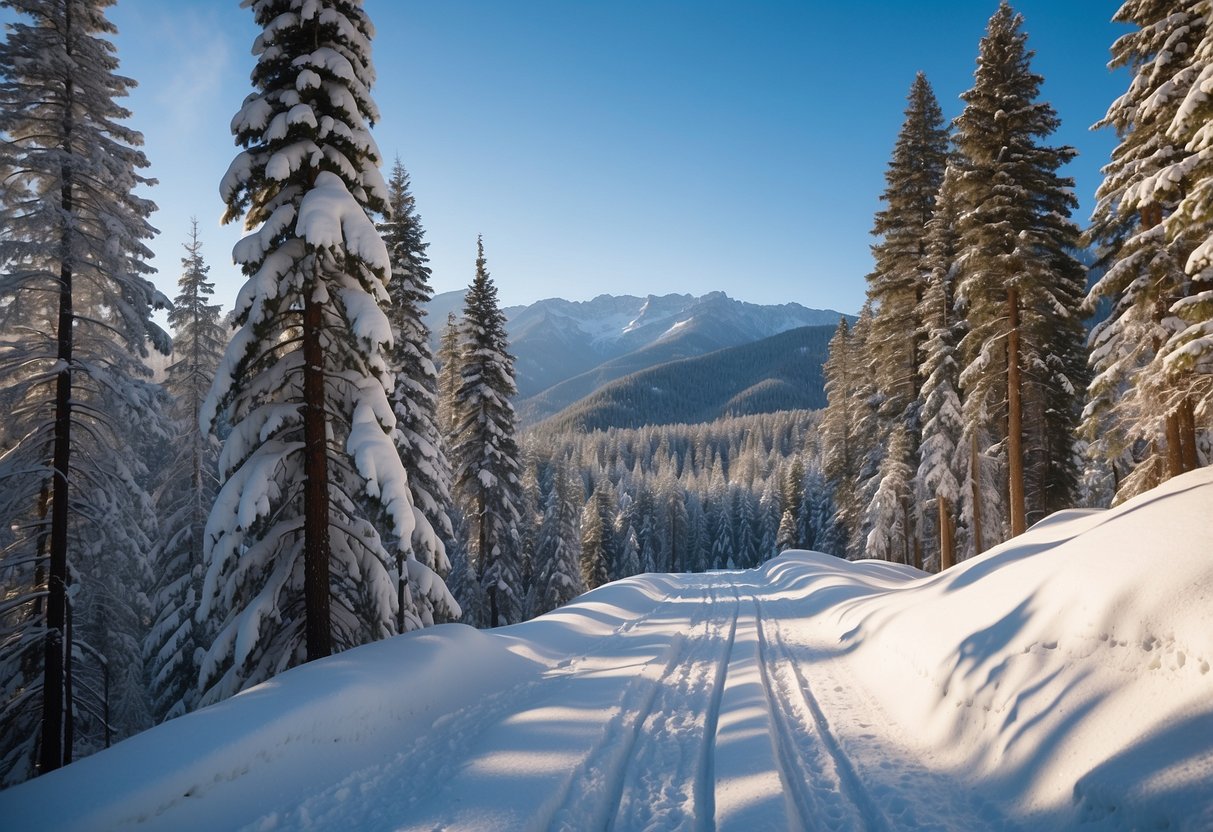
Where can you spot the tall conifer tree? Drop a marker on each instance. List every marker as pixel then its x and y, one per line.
pixel 189 483
pixel 414 399
pixel 941 457
pixel 1143 402
pixel 484 451
pixel 296 564
pixel 76 317
pixel 1021 285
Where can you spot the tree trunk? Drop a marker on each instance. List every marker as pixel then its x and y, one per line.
pixel 975 476
pixel 56 660
pixel 1017 507
pixel 316 549
pixel 1187 435
pixel 1175 462
pixel 947 541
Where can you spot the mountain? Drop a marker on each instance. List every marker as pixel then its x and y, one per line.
pixel 567 350
pixel 1057 681
pixel 782 372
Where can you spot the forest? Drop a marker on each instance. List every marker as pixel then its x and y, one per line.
pixel 308 475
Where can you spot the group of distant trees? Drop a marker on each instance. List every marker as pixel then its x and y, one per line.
pixel 965 404
pixel 308 476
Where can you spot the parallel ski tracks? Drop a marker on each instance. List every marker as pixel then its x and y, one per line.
pixel 812 780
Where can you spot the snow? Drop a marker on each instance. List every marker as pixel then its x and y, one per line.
pixel 1059 679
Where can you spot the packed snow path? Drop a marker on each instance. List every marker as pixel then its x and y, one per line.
pixel 696 716
pixel 1060 680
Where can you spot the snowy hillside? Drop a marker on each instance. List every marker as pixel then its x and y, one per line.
pixel 593 342
pixel 1062 678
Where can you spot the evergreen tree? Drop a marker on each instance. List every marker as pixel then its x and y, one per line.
pixel 484 451
pixel 74 320
pixel 189 484
pixel 896 286
pixel 297 566
pixel 593 552
pixel 1021 286
pixel 849 431
pixel 941 458
pixel 414 399
pixel 1141 417
pixel 889 513
pixel 558 569
pixel 450 364
pixel 790 526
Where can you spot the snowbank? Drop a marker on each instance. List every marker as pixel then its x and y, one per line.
pixel 1068 669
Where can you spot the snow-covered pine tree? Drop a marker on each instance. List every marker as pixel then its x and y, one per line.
pixel 296 566
pixel 897 283
pixel 1141 414
pixel 789 534
pixel 414 399
pixel 74 322
pixel 1188 355
pixel 593 551
pixel 188 486
pixel 849 430
pixel 484 451
pixel 558 550
pixel 940 455
pixel 889 510
pixel 1024 355
pixel 449 364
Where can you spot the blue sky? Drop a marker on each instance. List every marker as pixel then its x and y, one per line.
pixel 623 147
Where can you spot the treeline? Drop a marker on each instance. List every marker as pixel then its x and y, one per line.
pixel 965 405
pixel 677 498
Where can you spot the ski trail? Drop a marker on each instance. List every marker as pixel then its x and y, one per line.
pixel 705 782
pixel 813 766
pixel 664 782
pixel 593 793
pixel 753 781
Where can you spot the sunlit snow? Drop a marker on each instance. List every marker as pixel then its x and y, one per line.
pixel 1060 679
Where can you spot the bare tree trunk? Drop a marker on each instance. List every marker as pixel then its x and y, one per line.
pixel 975 476
pixel 947 535
pixel 1017 507
pixel 316 548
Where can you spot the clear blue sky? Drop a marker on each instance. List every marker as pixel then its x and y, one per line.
pixel 630 146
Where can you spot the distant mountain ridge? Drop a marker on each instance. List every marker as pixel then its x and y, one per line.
pixel 783 372
pixel 567 350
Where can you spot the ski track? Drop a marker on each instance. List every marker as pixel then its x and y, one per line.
pixel 820 778
pixel 695 715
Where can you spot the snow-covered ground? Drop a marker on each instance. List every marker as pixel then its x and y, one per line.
pixel 1060 679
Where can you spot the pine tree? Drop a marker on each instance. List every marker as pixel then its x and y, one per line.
pixel 297 566
pixel 414 399
pixel 484 451
pixel 450 364
pixel 558 570
pixel 849 430
pixel 75 319
pixel 593 552
pixel 1188 183
pixel 1141 417
pixel 1021 285
pixel 189 484
pixel 889 512
pixel 897 284
pixel 941 458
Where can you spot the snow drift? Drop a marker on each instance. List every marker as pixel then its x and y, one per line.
pixel 1061 678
